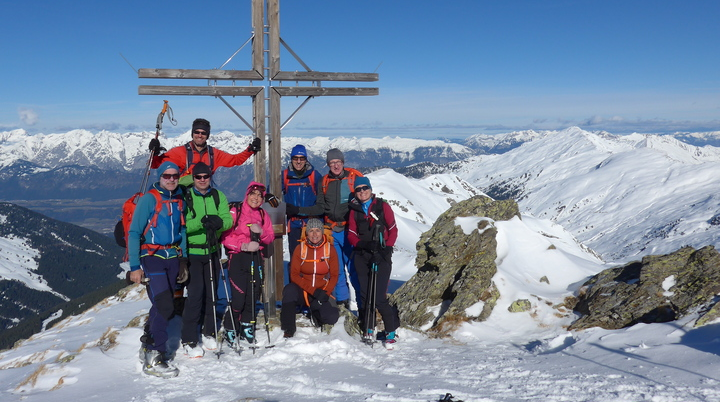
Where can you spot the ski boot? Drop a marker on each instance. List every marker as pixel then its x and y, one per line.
pixel 247 332
pixel 156 365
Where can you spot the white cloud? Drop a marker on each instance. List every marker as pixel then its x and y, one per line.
pixel 28 116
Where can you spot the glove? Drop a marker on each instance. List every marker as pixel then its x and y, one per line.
pixel 183 272
pixel 212 222
pixel 255 232
pixel 321 295
pixel 291 210
pixel 155 147
pixel 272 200
pixel 255 145
pixel 251 247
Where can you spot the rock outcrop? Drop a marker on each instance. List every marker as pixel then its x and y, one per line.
pixel 657 289
pixel 455 269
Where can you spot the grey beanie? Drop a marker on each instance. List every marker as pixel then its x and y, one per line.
pixel 335 154
pixel 314 223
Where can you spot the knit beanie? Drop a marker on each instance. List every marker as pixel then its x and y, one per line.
pixel 201 168
pixel 314 223
pixel 298 150
pixel 335 154
pixel 201 124
pixel 362 181
pixel 165 166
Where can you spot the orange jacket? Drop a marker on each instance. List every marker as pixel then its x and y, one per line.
pixel 317 270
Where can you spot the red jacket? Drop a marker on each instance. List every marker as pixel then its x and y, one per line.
pixel 361 231
pixel 178 155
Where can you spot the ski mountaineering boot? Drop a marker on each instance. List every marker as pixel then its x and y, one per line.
pixel 192 350
pixel 209 342
pixel 247 332
pixel 156 365
pixel 231 338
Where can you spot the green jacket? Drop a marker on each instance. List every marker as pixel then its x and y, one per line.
pixel 199 205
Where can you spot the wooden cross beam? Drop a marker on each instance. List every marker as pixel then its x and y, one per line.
pixel 265 67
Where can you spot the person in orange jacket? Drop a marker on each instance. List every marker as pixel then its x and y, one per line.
pixel 313 276
pixel 197 150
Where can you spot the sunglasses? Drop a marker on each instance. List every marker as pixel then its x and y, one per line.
pixel 363 188
pixel 202 176
pixel 170 176
pixel 298 158
pixel 201 132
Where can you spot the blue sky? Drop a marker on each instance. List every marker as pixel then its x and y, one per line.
pixel 447 69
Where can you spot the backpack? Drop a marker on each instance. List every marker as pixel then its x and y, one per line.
pixel 269 249
pixel 351 183
pixel 327 232
pixel 187 196
pixel 351 180
pixel 376 222
pixel 189 164
pixel 286 181
pixel 122 227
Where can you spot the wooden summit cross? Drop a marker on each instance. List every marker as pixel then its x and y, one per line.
pixel 264 68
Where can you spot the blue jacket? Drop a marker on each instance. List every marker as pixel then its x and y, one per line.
pixel 299 192
pixel 169 231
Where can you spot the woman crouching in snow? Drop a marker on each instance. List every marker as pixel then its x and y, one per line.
pixel 250 234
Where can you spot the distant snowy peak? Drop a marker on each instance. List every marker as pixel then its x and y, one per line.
pixel 501 143
pixel 129 150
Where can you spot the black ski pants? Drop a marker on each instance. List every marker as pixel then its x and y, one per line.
pixel 242 268
pixel 199 310
pixel 364 261
pixel 294 296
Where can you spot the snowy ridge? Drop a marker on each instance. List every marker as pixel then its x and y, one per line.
pixel 622 196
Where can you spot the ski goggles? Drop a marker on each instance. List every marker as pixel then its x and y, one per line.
pixel 256 187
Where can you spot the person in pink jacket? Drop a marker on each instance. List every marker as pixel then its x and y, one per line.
pixel 251 233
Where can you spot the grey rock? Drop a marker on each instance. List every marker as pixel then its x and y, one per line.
pixel 659 288
pixel 455 269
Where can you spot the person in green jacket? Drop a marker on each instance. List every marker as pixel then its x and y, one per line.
pixel 208 216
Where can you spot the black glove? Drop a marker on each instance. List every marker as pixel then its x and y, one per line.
pixel 212 222
pixel 272 200
pixel 155 147
pixel 291 210
pixel 255 145
pixel 321 295
pixel 183 272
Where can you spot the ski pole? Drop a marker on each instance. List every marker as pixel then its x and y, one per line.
pixel 252 296
pixel 264 304
pixel 211 243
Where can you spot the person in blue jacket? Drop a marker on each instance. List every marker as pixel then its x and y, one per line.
pixel 156 242
pixel 300 185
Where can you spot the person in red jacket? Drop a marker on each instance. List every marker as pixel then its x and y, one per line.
pixel 373 232
pixel 313 276
pixel 197 150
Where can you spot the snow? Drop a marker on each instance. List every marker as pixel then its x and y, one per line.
pixel 587 189
pixel 510 357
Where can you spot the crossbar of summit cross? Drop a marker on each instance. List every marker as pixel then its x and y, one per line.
pixel 264 64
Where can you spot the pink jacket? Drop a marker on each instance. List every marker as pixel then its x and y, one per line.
pixel 239 233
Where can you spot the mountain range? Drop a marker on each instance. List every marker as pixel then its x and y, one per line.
pixel 623 196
